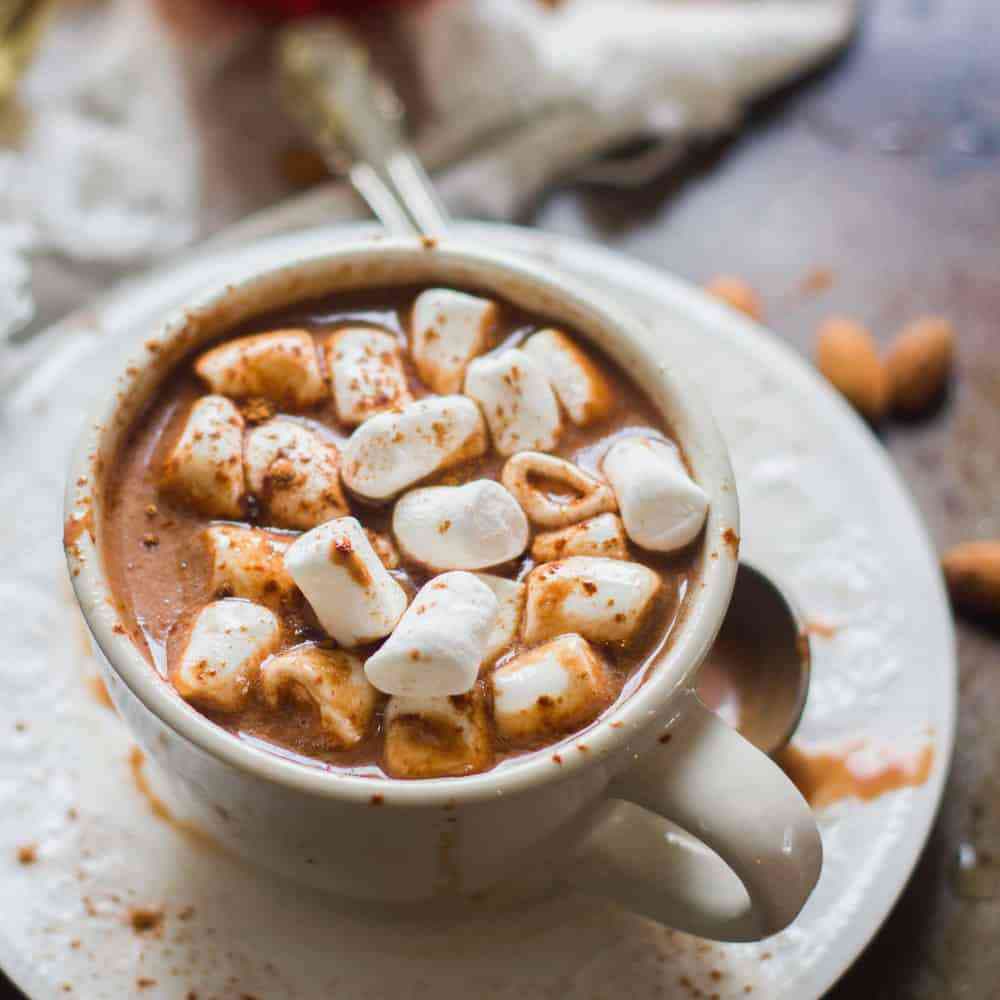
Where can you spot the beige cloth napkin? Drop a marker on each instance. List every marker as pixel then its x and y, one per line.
pixel 144 124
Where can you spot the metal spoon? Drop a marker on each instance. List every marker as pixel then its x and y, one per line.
pixel 760 664
pixel 22 23
pixel 356 121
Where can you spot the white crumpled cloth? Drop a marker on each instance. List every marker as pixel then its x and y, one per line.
pixel 117 151
pixel 569 83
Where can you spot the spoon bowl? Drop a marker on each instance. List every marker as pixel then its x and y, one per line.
pixel 757 673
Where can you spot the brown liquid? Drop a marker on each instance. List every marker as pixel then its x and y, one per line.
pixel 827 776
pixel 159 566
pixel 159 808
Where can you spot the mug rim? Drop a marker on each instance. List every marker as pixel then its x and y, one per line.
pixel 645 707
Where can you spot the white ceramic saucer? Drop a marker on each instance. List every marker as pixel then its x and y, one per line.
pixel 822 508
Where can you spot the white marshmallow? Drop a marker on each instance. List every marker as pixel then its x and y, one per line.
pixel 366 372
pixel 550 690
pixel 332 682
pixel 517 399
pixel 248 563
pixel 441 641
pixel 282 365
pixel 384 547
pixel 391 451
pixel 580 385
pixel 294 474
pixel 223 650
pixel 437 737
pixel 599 536
pixel 553 492
pixel 510 601
pixel 460 527
pixel 344 581
pixel 605 600
pixel 205 467
pixel 448 330
pixel 662 507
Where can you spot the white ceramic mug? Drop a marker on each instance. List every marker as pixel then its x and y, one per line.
pixel 752 852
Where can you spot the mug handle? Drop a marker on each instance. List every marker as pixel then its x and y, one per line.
pixel 740 853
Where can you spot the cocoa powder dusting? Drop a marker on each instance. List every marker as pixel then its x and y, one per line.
pixel 732 541
pixel 27 854
pixel 99 691
pixel 74 528
pixel 819 279
pixel 145 919
pixel 342 554
pixel 818 627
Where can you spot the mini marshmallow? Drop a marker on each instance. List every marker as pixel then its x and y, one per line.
pixel 366 372
pixel 205 467
pixel 441 641
pixel 282 365
pixel 294 474
pixel 604 600
pixel 437 737
pixel 580 385
pixel 384 548
pixel 550 690
pixel 460 527
pixel 248 563
pixel 332 682
pixel 662 507
pixel 510 601
pixel 599 536
pixel 345 583
pixel 448 330
pixel 223 650
pixel 391 451
pixel 555 493
pixel 517 399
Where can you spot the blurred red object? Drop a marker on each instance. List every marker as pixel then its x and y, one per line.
pixel 302 8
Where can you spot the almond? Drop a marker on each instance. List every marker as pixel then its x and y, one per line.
pixel 738 294
pixel 972 571
pixel 846 353
pixel 919 362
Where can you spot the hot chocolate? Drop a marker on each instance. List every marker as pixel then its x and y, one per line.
pixel 408 532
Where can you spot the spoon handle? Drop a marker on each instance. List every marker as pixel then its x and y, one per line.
pixel 356 121
pixel 414 189
pixel 383 199
pixel 22 23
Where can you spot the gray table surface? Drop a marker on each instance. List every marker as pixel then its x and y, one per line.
pixel 885 169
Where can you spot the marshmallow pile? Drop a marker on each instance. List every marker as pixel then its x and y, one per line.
pixel 472 653
pixel 282 366
pixel 290 466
